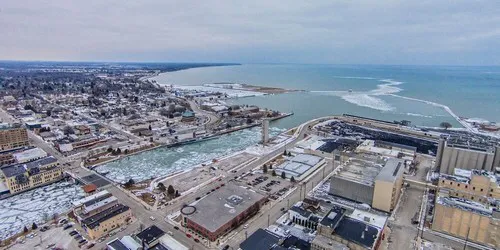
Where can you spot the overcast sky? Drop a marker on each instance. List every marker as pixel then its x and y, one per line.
pixel 258 31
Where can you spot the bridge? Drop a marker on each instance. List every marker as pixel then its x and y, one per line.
pixel 420 183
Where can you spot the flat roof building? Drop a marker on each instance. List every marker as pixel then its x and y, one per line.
pixel 125 243
pixel 104 222
pixel 369 182
pixel 23 177
pixel 222 210
pixel 299 166
pixel 260 239
pixel 455 155
pixel 11 137
pixel 150 236
pixel 29 155
pixel 353 228
pixel 467 219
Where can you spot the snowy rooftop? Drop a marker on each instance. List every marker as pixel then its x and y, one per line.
pixel 99 204
pixel 169 242
pixel 222 205
pixel 375 220
pixel 90 198
pixel 358 170
pixel 464 204
pixel 29 154
pixel 306 159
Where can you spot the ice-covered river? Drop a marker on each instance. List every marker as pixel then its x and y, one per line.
pixel 36 206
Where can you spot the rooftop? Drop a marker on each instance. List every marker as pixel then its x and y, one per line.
pixel 261 239
pixel 359 170
pixel 222 205
pixel 339 143
pixel 392 169
pixel 324 241
pixel 357 231
pixel 464 204
pixel 150 234
pixel 17 169
pixel 379 143
pixel 99 204
pixel 125 243
pixel 333 217
pixel 299 164
pixel 29 154
pixel 95 220
pixel 91 198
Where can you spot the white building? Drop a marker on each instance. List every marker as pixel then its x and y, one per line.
pixel 300 166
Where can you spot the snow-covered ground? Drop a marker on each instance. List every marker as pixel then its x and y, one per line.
pixel 36 206
pixel 232 93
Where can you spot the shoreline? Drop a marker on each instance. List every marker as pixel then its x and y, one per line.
pixel 182 143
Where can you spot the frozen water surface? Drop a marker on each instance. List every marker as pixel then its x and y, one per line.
pixel 35 205
pixel 162 161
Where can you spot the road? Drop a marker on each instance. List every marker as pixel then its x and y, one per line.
pixel 143 214
pixel 403 231
pixel 212 118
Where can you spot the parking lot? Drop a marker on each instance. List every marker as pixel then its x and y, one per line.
pixel 55 237
pixel 266 183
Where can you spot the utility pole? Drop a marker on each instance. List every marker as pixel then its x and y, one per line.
pixel 466 238
pixel 268 218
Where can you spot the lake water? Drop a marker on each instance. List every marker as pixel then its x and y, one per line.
pixel 372 91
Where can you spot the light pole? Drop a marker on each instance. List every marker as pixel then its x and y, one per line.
pixel 467 238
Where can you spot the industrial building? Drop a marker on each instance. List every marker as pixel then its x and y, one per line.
pixel 476 185
pixel 388 149
pixel 222 210
pixel 450 156
pixel 300 166
pixel 11 138
pixel 467 219
pixel 468 206
pixel 369 182
pixel 23 177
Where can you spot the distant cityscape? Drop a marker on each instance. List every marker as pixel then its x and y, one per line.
pixel 337 182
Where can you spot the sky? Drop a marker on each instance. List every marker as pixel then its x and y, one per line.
pixel 449 32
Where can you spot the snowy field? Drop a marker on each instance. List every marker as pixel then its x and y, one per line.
pixel 163 161
pixel 35 206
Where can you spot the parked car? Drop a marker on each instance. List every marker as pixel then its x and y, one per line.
pixel 67 227
pixel 91 245
pixel 152 218
pixel 188 235
pixel 82 241
pixel 170 233
pixel 176 228
pixel 196 240
pixel 72 233
pixel 50 246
